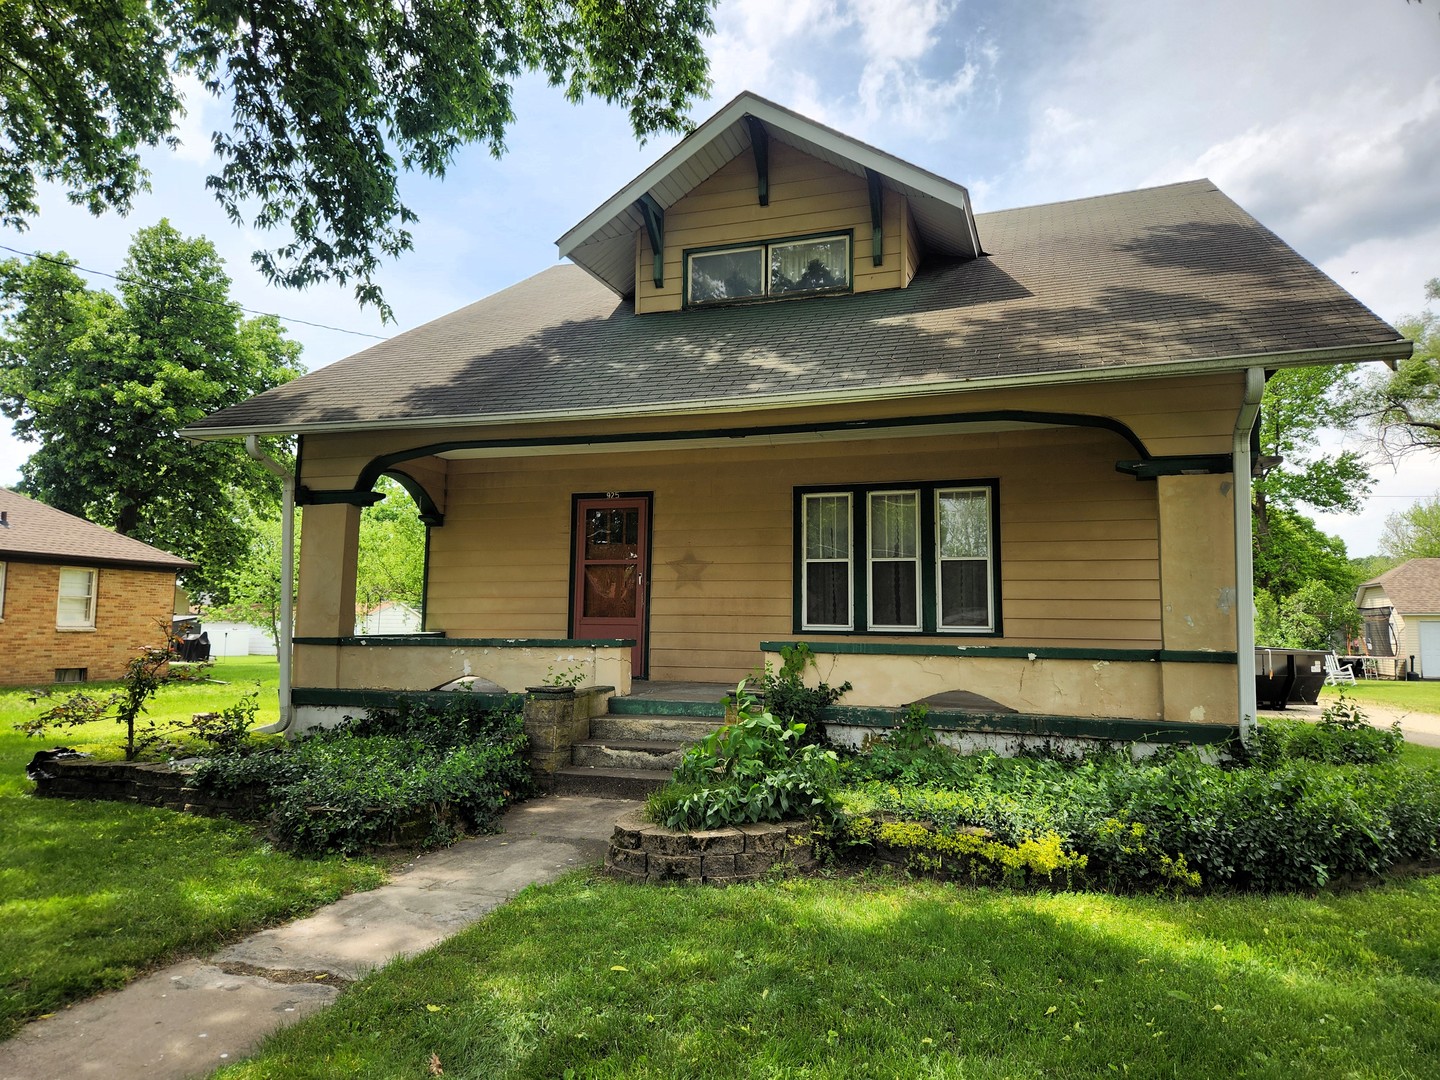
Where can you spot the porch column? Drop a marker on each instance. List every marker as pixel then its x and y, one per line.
pixel 329 547
pixel 1198 596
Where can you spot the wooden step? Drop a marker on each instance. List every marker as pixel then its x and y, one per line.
pixel 609 783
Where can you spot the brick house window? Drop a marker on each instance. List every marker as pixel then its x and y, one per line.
pixel 76 607
pixel 72 674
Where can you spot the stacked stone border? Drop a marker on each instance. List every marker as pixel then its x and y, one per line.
pixel 641 851
pixel 162 785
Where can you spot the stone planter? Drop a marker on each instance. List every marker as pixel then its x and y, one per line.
pixel 642 851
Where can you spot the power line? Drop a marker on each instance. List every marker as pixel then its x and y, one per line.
pixel 188 295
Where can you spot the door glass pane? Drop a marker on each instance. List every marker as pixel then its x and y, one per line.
pixel 964 593
pixel 892 594
pixel 827 594
pixel 612 534
pixel 827 526
pixel 809 265
pixel 894 525
pixel 727 275
pixel 964 524
pixel 610 592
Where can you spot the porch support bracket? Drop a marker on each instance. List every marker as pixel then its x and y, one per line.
pixel 654 215
pixel 760 143
pixel 305 496
pixel 877 216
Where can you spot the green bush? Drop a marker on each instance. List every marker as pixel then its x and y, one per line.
pixel 421 774
pixel 1285 823
pixel 755 769
pixel 791 701
pixel 1341 736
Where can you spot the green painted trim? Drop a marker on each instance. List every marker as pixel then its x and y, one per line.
pixel 628 706
pixel 384 462
pixel 1115 729
pixel 654 215
pixel 304 496
pixel 1012 652
pixel 389 699
pixel 437 638
pixel 760 144
pixel 1177 465
pixel 429 512
pixel 877 216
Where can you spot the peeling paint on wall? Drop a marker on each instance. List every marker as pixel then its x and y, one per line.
pixel 1225 601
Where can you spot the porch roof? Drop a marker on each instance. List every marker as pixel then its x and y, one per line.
pixel 1164 281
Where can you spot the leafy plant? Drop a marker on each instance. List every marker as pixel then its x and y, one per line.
pixel 754 769
pixel 565 677
pixel 229 728
pixel 150 669
pixel 419 773
pixel 787 696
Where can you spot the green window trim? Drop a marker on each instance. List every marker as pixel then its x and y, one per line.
pixel 765 285
pixel 917 553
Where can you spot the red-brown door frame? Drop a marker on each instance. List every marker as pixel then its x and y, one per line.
pixel 636 627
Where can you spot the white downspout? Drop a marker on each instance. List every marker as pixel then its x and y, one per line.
pixel 1244 557
pixel 287 579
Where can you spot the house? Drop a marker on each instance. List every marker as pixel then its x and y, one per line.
pixel 1400 611
pixel 76 601
pixel 388 617
pixel 790 388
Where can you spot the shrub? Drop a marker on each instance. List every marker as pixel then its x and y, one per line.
pixel 755 769
pixel 788 698
pixel 421 773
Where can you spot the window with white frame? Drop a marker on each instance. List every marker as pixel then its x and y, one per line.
pixel 794 267
pixel 914 558
pixel 76 606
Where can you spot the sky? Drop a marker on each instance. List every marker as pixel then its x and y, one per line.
pixel 1319 117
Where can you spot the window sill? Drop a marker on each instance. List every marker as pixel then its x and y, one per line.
pixel 75 629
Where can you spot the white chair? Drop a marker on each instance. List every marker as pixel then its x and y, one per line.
pixel 1337 673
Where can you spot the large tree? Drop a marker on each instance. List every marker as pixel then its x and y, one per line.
pixel 102 382
pixel 1402 407
pixel 1413 533
pixel 329 101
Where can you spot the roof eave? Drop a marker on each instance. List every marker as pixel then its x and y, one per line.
pixel 1397 349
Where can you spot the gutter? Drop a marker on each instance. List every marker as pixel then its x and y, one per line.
pixel 287 580
pixel 1398 349
pixel 1244 554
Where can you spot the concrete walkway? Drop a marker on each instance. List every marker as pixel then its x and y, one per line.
pixel 195 1016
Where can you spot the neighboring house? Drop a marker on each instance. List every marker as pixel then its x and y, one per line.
pixel 76 601
pixel 1400 611
pixel 793 389
pixel 389 617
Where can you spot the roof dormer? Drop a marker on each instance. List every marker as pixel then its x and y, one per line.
pixel 760 203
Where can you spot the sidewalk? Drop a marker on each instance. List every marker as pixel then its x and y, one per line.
pixel 197 1015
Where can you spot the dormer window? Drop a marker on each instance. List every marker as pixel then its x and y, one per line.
pixel 798 266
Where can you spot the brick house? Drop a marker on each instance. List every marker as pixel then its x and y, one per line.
pixel 76 600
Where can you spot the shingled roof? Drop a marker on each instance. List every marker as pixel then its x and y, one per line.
pixel 34 532
pixel 1413 588
pixel 1163 281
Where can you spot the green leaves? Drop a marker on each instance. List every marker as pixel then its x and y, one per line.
pixel 329 102
pixel 102 383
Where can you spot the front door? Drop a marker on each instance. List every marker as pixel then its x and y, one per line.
pixel 612 557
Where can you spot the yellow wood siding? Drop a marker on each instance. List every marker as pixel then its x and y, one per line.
pixel 1176 416
pixel 807 196
pixel 911 250
pixel 1079 554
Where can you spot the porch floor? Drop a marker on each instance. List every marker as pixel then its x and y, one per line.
pixel 646 690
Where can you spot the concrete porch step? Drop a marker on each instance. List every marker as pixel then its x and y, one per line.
pixel 644 728
pixel 628 753
pixel 609 783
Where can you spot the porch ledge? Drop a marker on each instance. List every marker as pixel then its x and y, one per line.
pixel 1115 729
pixel 1013 652
pixel 389 699
pixel 437 638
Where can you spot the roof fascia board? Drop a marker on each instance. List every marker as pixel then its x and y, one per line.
pixel 78 559
pixel 1390 350
pixel 772 115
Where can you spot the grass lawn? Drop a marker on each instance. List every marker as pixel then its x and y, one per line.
pixel 880 977
pixel 93 893
pixel 1407 696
